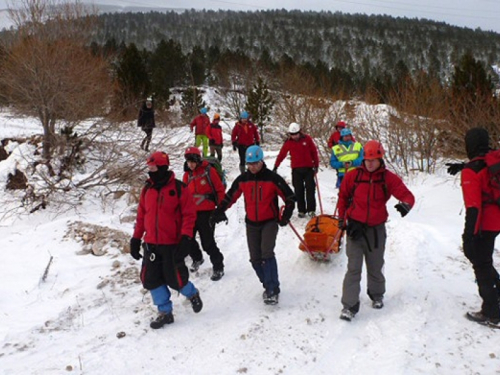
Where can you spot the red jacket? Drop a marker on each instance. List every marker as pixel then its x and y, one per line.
pixel 303 152
pixel 164 216
pixel 199 186
pixel 214 133
pixel 245 134
pixel 261 191
pixel 201 123
pixel 369 193
pixel 476 190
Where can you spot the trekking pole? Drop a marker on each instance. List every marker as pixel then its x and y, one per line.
pixel 319 194
pixel 297 234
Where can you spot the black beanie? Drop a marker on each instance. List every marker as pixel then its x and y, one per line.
pixel 476 142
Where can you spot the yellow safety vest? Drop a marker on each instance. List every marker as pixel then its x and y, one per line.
pixel 345 154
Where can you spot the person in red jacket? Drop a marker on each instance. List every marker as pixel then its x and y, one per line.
pixel 335 136
pixel 362 203
pixel 261 189
pixel 215 140
pixel 304 162
pixel 165 220
pixel 204 183
pixel 200 125
pixel 244 135
pixel 482 226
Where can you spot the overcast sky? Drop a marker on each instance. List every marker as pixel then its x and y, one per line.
pixel 470 13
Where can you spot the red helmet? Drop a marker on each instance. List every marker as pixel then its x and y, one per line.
pixel 373 150
pixel 193 154
pixel 158 158
pixel 341 124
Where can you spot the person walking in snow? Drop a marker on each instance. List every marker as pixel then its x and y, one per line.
pixel 200 125
pixel 207 189
pixel 362 204
pixel 146 121
pixel 346 155
pixel 215 140
pixel 244 135
pixel 165 221
pixel 304 162
pixel 482 226
pixel 261 189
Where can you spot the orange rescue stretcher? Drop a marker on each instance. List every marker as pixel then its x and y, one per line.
pixel 322 237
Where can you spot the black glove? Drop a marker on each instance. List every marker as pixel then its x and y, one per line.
pixel 135 248
pixel 285 217
pixel 217 216
pixel 315 170
pixel 403 208
pixel 454 168
pixel 185 245
pixel 468 245
pixel 211 142
pixel 341 224
pixel 257 143
pixel 275 169
pixel 355 229
pixel 235 146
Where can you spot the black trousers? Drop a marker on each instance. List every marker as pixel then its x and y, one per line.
pixel 481 257
pixel 206 231
pixel 304 186
pixel 163 264
pixel 147 138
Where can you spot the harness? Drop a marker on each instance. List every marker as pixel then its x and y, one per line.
pixel 201 197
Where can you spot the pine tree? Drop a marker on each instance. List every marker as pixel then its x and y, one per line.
pixel 191 102
pixel 260 104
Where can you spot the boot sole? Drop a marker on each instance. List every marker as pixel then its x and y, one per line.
pixel 482 322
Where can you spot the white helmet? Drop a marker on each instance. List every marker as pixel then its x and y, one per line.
pixel 294 128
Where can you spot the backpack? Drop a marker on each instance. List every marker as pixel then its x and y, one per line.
pixel 492 160
pixel 215 163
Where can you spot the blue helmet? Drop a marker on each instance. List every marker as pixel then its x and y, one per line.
pixel 244 115
pixel 254 154
pixel 345 132
pixel 203 111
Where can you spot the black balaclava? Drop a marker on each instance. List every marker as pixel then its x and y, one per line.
pixel 476 142
pixel 161 176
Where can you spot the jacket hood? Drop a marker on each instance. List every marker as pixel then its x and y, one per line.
pixel 476 142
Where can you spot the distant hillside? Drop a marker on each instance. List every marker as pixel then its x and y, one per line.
pixel 355 43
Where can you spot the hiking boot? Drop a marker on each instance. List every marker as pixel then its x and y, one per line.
pixel 311 214
pixel 302 215
pixel 196 303
pixel 196 265
pixel 347 315
pixel 217 275
pixel 480 318
pixel 270 298
pixel 377 304
pixel 161 320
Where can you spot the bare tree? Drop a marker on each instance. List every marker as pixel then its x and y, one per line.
pixel 49 72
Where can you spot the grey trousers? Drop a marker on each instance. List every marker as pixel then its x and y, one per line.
pixel 371 248
pixel 261 240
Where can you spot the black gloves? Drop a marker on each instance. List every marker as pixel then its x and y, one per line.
pixel 257 143
pixel 235 146
pixel 211 142
pixel 275 169
pixel 217 216
pixel 285 217
pixel 403 208
pixel 341 224
pixel 315 170
pixel 454 168
pixel 185 245
pixel 135 248
pixel 355 229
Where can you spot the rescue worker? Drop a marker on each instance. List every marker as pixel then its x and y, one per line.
pixel 215 140
pixel 346 155
pixel 262 217
pixel 244 135
pixel 304 162
pixel 335 136
pixel 200 125
pixel 362 204
pixel 482 226
pixel 207 189
pixel 165 221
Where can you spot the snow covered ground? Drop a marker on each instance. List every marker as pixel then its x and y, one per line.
pixel 91 316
